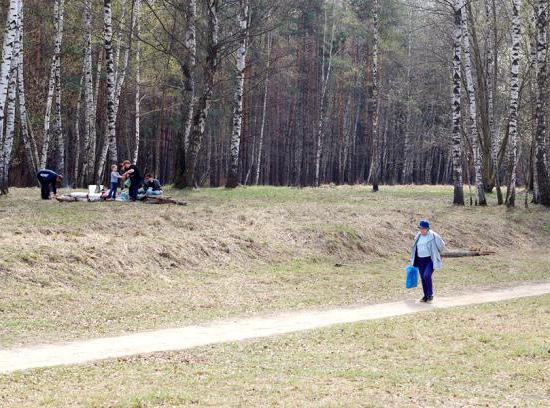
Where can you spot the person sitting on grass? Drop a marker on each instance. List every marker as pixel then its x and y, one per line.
pixel 426 256
pixel 151 186
pixel 115 176
pixel 48 178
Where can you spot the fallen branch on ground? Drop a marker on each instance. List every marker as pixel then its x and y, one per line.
pixel 471 252
pixel 161 200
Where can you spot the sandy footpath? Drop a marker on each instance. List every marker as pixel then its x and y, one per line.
pixel 238 329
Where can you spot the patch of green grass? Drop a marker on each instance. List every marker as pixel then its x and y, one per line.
pixel 485 355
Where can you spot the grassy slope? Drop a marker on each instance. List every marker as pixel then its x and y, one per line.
pixel 78 270
pixel 486 355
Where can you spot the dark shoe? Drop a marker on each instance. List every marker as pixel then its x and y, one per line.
pixel 424 299
pixel 429 299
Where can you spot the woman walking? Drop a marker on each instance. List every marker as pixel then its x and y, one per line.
pixel 426 256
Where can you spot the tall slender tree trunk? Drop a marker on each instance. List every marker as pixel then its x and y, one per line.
pixel 473 130
pixel 233 176
pixel 10 34
pixel 77 152
pixel 7 145
pixel 137 119
pixel 541 173
pixel 58 22
pixel 200 113
pixel 61 166
pixel 514 99
pixel 264 111
pixel 406 176
pixel 88 91
pixel 491 76
pixel 28 140
pixel 109 141
pixel 458 199
pixel 375 162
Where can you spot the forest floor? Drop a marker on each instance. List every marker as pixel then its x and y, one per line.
pixel 82 270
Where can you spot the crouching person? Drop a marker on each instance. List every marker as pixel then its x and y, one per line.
pixel 151 186
pixel 48 179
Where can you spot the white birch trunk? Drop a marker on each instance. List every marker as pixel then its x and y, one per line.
pixel 28 140
pixel 242 21
pixel 138 79
pixel 200 114
pixel 264 112
pixel 76 172
pixel 541 172
pixel 375 162
pixel 7 145
pixel 58 123
pixel 109 141
pixel 51 84
pixel 473 130
pixel 458 199
pixel 88 91
pixel 325 77
pixel 514 99
pixel 7 57
pixel 406 176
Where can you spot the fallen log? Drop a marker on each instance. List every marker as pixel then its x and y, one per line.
pixel 161 200
pixel 461 254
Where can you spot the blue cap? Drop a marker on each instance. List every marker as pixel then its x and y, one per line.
pixel 424 224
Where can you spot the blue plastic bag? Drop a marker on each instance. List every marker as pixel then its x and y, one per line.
pixel 412 277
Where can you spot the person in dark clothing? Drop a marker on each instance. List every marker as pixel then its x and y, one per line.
pixel 48 178
pixel 132 172
pixel 151 186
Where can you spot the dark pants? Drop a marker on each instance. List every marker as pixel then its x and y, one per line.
pixel 45 189
pixel 425 267
pixel 112 191
pixel 133 190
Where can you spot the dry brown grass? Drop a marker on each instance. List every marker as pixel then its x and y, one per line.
pixel 86 269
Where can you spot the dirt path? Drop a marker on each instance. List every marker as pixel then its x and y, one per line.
pixel 237 329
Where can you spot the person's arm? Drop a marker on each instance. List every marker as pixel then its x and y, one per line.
pixel 54 187
pixel 439 243
pixel 156 185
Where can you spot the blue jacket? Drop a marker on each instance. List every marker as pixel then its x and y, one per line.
pixel 436 245
pixel 47 176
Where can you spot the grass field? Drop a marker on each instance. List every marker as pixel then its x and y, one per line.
pixel 87 269
pixel 495 355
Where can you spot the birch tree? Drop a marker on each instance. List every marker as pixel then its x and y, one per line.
pixel 473 130
pixel 55 66
pixel 7 57
pixel 491 76
pixel 137 119
pixel 200 113
pixel 458 199
pixel 88 91
pixel 242 21
pixel 326 67
pixel 109 142
pixel 514 99
pixel 264 111
pixel 375 163
pixel 29 143
pixel 541 173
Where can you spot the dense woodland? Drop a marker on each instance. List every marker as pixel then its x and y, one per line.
pixel 291 93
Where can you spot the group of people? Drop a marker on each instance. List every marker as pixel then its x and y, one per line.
pixel 129 173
